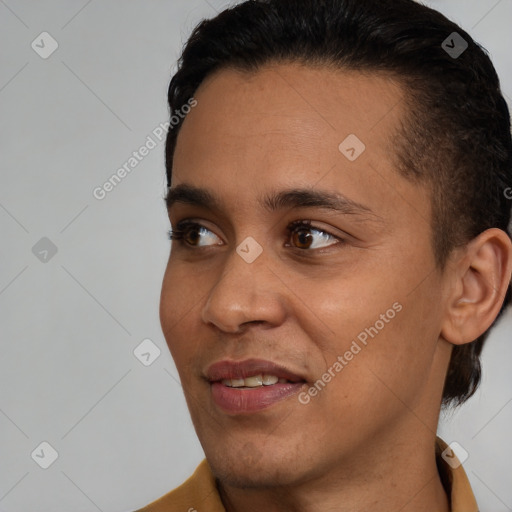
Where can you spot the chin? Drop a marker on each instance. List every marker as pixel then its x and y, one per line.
pixel 249 466
pixel 262 473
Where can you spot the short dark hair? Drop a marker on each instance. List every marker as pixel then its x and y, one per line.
pixel 456 135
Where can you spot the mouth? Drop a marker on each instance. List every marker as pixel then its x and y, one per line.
pixel 240 387
pixel 254 381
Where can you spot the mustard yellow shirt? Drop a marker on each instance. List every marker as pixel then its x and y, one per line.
pixel 199 492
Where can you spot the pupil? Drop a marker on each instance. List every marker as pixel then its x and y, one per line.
pixel 304 238
pixel 193 236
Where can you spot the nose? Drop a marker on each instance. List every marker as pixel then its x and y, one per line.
pixel 244 294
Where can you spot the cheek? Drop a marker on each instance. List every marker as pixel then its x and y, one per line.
pixel 346 304
pixel 399 351
pixel 179 307
pixel 385 308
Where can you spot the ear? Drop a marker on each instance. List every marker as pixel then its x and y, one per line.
pixel 481 277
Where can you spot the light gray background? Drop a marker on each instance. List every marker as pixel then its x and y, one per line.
pixel 68 327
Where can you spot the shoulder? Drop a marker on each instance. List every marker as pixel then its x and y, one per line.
pixel 199 492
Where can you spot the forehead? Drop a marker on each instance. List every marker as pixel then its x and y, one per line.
pixel 315 101
pixel 292 125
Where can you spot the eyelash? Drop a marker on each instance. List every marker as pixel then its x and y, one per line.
pixel 178 234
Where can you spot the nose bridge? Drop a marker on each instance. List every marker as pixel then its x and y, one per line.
pixel 246 291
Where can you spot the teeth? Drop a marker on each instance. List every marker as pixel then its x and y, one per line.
pixel 253 381
pixel 268 380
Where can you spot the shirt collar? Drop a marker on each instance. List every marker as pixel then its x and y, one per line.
pixel 454 479
pixel 200 490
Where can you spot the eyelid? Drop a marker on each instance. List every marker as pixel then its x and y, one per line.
pixel 181 227
pixel 294 225
pixel 309 224
pixel 178 232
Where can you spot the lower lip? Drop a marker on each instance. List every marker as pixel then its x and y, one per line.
pixel 240 400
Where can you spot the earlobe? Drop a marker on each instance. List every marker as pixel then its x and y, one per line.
pixel 482 276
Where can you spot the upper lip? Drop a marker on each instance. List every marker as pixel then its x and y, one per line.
pixel 229 369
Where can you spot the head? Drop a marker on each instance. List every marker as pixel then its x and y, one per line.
pixel 410 231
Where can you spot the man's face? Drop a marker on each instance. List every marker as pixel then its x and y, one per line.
pixel 365 267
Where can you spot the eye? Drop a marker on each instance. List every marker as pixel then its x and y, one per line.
pixel 301 234
pixel 305 236
pixel 193 234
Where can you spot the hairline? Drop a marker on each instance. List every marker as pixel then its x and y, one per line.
pixel 409 100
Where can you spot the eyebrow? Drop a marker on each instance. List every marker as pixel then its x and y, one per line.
pixel 286 199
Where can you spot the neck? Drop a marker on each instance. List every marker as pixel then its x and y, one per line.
pixel 404 478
